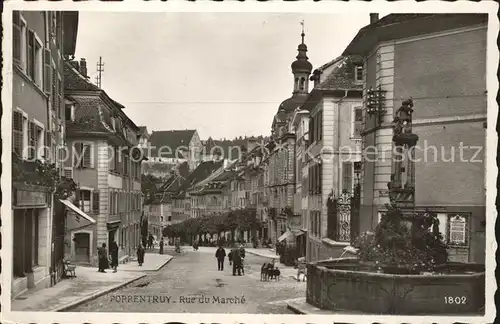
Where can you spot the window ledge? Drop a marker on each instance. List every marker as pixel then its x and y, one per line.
pixel 330 242
pixel 28 79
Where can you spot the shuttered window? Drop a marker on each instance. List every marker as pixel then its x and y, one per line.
pixel 31 54
pixel 47 71
pixel 17 133
pixel 82 155
pixel 16 36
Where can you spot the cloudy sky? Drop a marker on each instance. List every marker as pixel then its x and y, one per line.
pixel 223 74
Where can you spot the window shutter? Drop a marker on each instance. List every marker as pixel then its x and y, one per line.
pixel 17 127
pixel 16 37
pixel 95 201
pixel 77 154
pixel 68 173
pixel 87 156
pixel 31 54
pixel 54 90
pixel 31 140
pixel 47 71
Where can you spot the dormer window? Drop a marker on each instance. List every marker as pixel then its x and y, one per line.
pixel 70 112
pixel 358 73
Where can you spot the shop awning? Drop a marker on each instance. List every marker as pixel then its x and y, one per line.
pixel 77 210
pixel 298 232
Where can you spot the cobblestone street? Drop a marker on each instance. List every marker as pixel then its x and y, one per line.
pixel 178 286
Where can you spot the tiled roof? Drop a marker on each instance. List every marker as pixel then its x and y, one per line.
pixel 342 77
pixel 87 115
pixel 203 170
pixel 171 139
pixel 230 146
pixel 327 65
pixel 396 26
pixel 73 80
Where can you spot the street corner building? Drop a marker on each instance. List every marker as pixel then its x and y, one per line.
pixel 41 42
pixel 442 67
pixel 105 162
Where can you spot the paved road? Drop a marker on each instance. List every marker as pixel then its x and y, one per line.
pixel 179 286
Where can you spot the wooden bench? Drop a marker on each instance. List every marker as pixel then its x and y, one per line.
pixel 69 269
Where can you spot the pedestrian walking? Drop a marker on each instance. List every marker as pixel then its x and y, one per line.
pixel 103 258
pixel 220 254
pixel 242 257
pixel 161 245
pixel 113 251
pixel 236 259
pixel 150 241
pixel 140 255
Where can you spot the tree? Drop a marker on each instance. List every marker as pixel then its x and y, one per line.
pixel 148 187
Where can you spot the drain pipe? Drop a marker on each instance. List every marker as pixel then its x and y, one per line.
pixel 338 102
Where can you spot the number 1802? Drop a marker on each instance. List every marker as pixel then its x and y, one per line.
pixel 455 300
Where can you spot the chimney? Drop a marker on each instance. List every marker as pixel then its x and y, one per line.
pixel 373 18
pixel 83 67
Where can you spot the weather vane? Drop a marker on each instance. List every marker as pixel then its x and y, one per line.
pixel 303 34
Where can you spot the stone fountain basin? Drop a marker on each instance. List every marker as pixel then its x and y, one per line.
pixel 349 285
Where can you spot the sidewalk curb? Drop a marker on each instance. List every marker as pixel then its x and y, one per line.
pixel 295 309
pixel 152 270
pixel 95 295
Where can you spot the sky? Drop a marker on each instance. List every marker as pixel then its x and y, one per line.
pixel 223 74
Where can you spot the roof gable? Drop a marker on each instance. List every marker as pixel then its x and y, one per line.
pixel 172 139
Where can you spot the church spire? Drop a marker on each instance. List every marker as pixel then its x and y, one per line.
pixel 301 67
pixel 303 34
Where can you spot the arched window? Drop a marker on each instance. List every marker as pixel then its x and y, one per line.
pixel 302 83
pixel 296 83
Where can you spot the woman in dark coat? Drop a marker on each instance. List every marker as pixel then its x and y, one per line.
pixel 103 258
pixel 114 255
pixel 140 255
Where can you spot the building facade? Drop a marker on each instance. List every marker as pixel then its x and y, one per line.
pixel 280 182
pixel 176 146
pixel 106 165
pixel 333 153
pixel 41 43
pixel 443 68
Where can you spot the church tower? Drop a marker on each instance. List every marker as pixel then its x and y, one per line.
pixel 301 68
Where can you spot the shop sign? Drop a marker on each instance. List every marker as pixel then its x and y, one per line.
pixel 30 198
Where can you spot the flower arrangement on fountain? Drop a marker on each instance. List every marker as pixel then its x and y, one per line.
pixel 397 246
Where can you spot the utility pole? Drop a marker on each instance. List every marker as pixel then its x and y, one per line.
pixel 100 69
